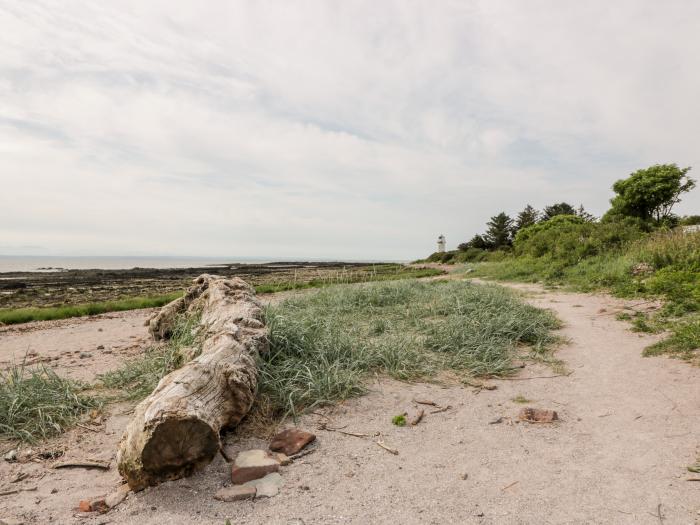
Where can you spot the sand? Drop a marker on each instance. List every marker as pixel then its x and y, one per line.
pixel 629 427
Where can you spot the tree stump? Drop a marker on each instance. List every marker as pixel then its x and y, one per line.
pixel 176 429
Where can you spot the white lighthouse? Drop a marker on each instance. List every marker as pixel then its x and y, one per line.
pixel 441 244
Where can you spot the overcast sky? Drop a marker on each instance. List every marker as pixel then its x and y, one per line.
pixel 338 129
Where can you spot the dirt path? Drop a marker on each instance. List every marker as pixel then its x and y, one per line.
pixel 629 427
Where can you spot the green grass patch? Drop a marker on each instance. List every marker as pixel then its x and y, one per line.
pixel 35 403
pixel 382 272
pixel 25 315
pixel 137 378
pixel 399 421
pixel 324 345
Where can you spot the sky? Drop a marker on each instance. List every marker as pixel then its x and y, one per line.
pixel 340 129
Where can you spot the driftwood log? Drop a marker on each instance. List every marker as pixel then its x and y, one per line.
pixel 176 429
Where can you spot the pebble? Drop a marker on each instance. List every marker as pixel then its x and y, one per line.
pixel 268 486
pixel 84 355
pixel 291 441
pixel 252 464
pixel 11 455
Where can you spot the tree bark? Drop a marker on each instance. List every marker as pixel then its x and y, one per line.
pixel 176 429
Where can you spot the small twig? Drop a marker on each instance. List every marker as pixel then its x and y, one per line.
pixel 509 486
pixel 693 479
pixel 83 464
pixel 535 377
pixel 441 409
pixel 19 477
pixel 388 449
pixel 87 427
pixel 659 515
pixel 16 491
pixel 425 402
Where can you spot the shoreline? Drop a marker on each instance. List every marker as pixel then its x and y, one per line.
pixel 75 287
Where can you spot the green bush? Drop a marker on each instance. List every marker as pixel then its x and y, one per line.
pixel 570 239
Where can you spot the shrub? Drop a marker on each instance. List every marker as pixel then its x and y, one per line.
pixel 570 239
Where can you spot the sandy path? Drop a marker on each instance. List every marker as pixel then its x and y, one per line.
pixel 79 348
pixel 629 428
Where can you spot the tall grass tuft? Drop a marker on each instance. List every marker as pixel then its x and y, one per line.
pixel 323 346
pixel 137 378
pixel 35 403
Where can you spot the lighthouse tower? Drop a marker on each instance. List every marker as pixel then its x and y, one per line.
pixel 441 244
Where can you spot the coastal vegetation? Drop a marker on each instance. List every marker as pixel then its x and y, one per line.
pixel 324 346
pixel 35 403
pixel 639 248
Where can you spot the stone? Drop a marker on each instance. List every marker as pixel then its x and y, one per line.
pixel 282 458
pixel 252 464
pixel 11 455
pixel 235 493
pixel 268 486
pixel 100 347
pixel 291 441
pixel 85 355
pixel 84 506
pixel 537 415
pixel 116 497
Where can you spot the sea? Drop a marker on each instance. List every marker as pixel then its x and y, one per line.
pixel 47 263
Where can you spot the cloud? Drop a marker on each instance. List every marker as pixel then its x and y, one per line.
pixel 328 129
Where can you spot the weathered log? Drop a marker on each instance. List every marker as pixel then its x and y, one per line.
pixel 176 429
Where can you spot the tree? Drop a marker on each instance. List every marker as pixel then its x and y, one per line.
pixel 650 193
pixel 526 218
pixel 581 212
pixel 500 231
pixel 561 208
pixel 479 242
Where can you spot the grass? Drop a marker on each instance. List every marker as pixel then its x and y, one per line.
pixel 323 346
pixel 137 378
pixel 399 421
pixel 663 265
pixel 24 315
pixel 381 272
pixel 36 404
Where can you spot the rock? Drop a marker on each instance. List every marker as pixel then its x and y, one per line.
pixel 235 493
pixel 268 486
pixel 100 347
pixel 252 464
pixel 282 458
pixel 11 455
pixel 537 415
pixel 54 491
pixel 85 355
pixel 291 441
pixel 464 476
pixel 116 497
pixel 84 506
